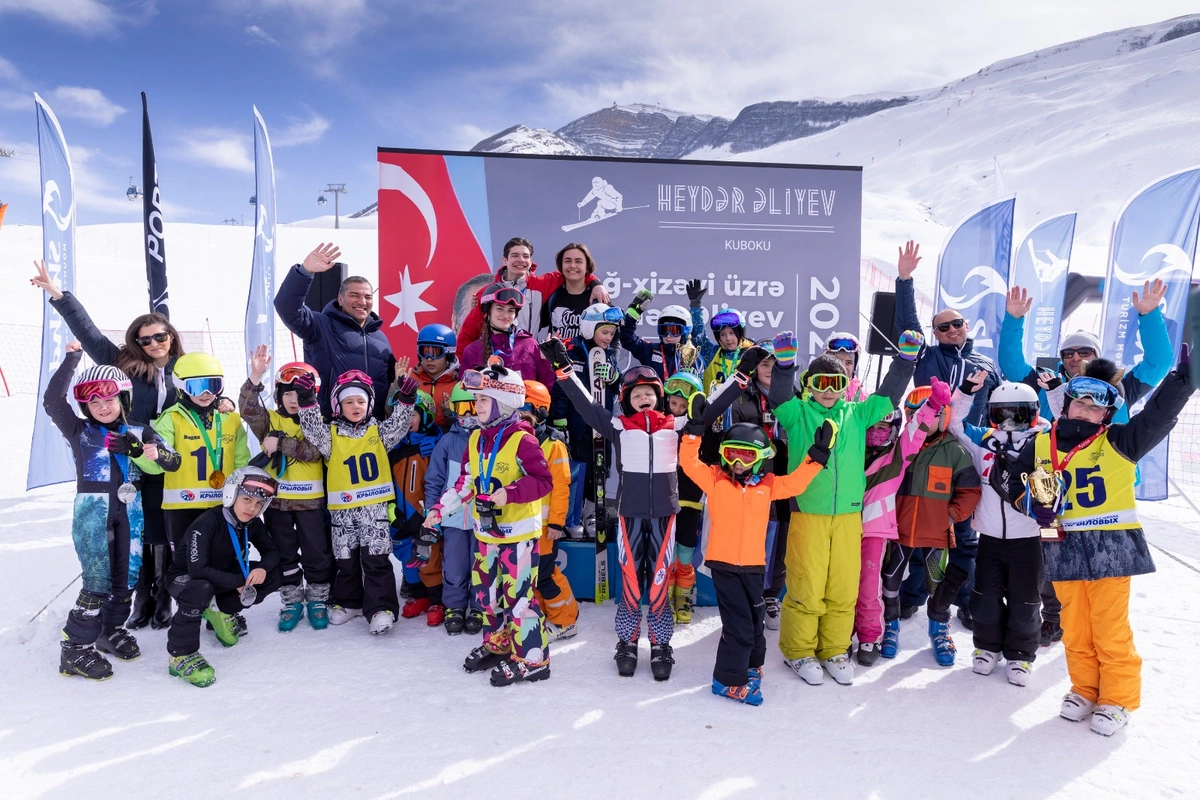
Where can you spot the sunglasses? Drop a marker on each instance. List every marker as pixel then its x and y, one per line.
pixel 96 390
pixel 827 383
pixel 1082 352
pixel 670 329
pixel 849 345
pixel 198 387
pixel 954 323
pixel 160 337
pixel 1099 392
pixel 429 352
pixel 736 454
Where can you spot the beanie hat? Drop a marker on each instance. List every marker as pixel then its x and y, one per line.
pixel 1080 339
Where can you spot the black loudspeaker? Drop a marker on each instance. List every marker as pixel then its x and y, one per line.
pixel 325 287
pixel 1192 334
pixel 883 333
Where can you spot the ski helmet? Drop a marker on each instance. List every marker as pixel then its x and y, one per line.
pixel 877 437
pixel 424 408
pixel 746 444
pixel 436 335
pixel 595 315
pixel 502 294
pixel 640 376
pixel 103 381
pixel 729 318
pixel 678 315
pixel 504 386
pixel 352 383
pixel 462 403
pixel 537 400
pixel 251 482
pixel 1013 406
pixel 683 384
pixel 288 374
pixel 197 373
pixel 843 341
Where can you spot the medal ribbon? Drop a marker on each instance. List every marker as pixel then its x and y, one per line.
pixel 485 478
pixel 122 462
pixel 215 456
pixel 1059 466
pixel 243 560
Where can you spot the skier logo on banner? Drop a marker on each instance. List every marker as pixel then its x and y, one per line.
pixel 1047 271
pixel 609 203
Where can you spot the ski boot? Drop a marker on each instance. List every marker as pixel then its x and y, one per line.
pixel 943 645
pixel 868 653
pixel 840 669
pixel 661 660
pixel 381 622
pixel 340 615
pixel 512 671
pixel 1108 719
pixel 747 693
pixel 415 606
pixel 435 615
pixel 891 639
pixel 754 676
pixel 239 625
pixel 906 612
pixel 558 633
pixel 318 612
pixel 626 658
pixel 223 625
pixel 292 610
pixel 120 643
pixel 771 618
pixel 808 668
pixel 455 621
pixel 1051 633
pixel 1076 707
pixel 964 616
pixel 682 600
pixel 474 623
pixel 143 594
pixel 84 661
pixel 193 669
pixel 482 658
pixel 1018 672
pixel 984 661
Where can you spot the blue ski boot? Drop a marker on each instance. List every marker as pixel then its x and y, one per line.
pixel 748 693
pixel 943 645
pixel 891 639
pixel 292 610
pixel 318 613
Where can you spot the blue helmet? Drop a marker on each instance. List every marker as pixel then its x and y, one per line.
pixel 437 334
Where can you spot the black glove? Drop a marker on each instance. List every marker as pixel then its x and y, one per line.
pixel 1049 379
pixel 406 391
pixel 640 299
pixel 823 441
pixel 1185 364
pixel 1044 515
pixel 423 543
pixel 697 404
pixel 695 292
pixel 123 444
pixel 750 360
pixel 555 352
pixel 306 390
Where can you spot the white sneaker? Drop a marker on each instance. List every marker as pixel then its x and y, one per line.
pixel 1109 719
pixel 339 615
pixel 382 621
pixel 558 632
pixel 1076 707
pixel 772 617
pixel 1018 672
pixel 809 670
pixel 840 669
pixel 984 661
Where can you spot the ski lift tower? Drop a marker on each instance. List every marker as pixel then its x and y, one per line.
pixel 336 189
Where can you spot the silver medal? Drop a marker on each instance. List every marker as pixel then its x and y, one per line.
pixel 126 492
pixel 249 595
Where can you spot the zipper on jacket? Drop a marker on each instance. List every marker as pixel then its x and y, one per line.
pixel 650 448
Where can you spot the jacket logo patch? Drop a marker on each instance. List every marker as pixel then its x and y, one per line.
pixel 939 479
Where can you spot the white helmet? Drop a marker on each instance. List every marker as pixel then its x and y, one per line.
pixel 252 482
pixel 595 315
pixel 1013 406
pixel 679 313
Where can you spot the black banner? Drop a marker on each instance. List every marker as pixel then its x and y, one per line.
pixel 152 222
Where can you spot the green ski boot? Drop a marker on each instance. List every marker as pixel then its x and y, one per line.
pixel 318 612
pixel 223 625
pixel 293 608
pixel 193 669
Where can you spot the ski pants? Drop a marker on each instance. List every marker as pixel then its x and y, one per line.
pixel 503 581
pixel 108 542
pixel 458 553
pixel 645 551
pixel 304 551
pixel 776 572
pixel 553 591
pixel 154 531
pixel 942 588
pixel 177 521
pixel 1006 599
pixel 868 610
pixel 1101 660
pixel 915 591
pixel 194 595
pixel 743 610
pixel 362 546
pixel 823 562
pixel 1051 607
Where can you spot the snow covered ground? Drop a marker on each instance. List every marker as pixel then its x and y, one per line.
pixel 344 714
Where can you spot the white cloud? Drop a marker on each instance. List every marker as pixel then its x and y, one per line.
pixel 301 131
pixel 218 148
pixel 8 70
pixel 96 190
pixel 81 102
pixel 86 16
pixel 317 28
pixel 466 136
pixel 258 33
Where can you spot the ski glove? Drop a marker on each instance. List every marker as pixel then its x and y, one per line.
pixel 823 441
pixel 123 444
pixel 1048 379
pixel 556 353
pixel 606 372
pixel 640 299
pixel 423 542
pixel 1185 364
pixel 750 360
pixel 697 404
pixel 785 348
pixel 306 394
pixel 939 394
pixel 695 292
pixel 910 344
pixel 1044 515
pixel 406 390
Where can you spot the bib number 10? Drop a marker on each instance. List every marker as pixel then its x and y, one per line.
pixel 362 468
pixel 1089 489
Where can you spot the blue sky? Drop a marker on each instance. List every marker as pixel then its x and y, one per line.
pixel 334 79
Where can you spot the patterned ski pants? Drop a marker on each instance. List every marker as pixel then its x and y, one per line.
pixel 502 579
pixel 645 551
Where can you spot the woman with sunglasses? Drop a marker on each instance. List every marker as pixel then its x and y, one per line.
pixel 1104 545
pixel 110 457
pixel 147 357
pixel 501 336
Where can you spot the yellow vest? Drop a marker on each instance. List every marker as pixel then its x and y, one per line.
pixel 188 487
pixel 1099 486
pixel 517 521
pixel 358 471
pixel 301 480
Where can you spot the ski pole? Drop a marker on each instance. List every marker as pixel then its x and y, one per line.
pixel 52 599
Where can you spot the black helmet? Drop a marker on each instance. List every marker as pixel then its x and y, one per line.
pixel 640 376
pixel 748 444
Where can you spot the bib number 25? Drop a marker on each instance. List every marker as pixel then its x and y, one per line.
pixel 1089 489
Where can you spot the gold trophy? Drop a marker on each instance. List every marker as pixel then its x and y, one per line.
pixel 1043 487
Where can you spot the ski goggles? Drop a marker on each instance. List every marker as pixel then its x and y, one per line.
pixel 740 454
pixel 670 329
pixel 198 387
pixel 1102 393
pixel 680 387
pixel 917 396
pixel 639 375
pixel 726 319
pixel 263 488
pixel 611 316
pixel 463 408
pixel 1082 352
pixel 849 345
pixel 290 374
pixel 473 380
pixel 831 382
pixel 429 352
pixel 1019 414
pixel 507 296
pixel 159 337
pixel 954 323
pixel 99 390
